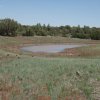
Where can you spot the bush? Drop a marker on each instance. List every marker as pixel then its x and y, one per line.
pixel 95 35
pixel 28 32
pixel 8 27
pixel 81 35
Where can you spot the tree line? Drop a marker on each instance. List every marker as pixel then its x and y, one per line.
pixel 10 27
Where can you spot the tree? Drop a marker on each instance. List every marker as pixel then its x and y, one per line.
pixel 95 35
pixel 28 31
pixel 8 27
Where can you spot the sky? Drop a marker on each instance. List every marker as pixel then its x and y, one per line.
pixel 53 12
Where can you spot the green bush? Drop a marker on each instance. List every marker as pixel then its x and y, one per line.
pixel 28 32
pixel 8 27
pixel 80 35
pixel 95 35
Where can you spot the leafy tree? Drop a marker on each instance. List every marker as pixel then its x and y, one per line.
pixel 28 31
pixel 8 27
pixel 95 35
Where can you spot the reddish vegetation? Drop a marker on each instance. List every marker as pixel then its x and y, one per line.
pixel 75 98
pixel 70 52
pixel 44 98
pixel 5 96
pixel 7 90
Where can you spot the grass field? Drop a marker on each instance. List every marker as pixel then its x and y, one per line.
pixel 28 76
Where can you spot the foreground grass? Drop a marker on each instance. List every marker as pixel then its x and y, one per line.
pixel 28 78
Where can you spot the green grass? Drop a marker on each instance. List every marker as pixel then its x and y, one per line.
pixel 25 77
pixel 60 76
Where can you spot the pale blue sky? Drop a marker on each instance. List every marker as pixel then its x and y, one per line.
pixel 53 12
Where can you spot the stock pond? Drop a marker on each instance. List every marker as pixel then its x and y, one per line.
pixel 50 48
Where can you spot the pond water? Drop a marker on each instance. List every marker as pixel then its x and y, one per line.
pixel 49 48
